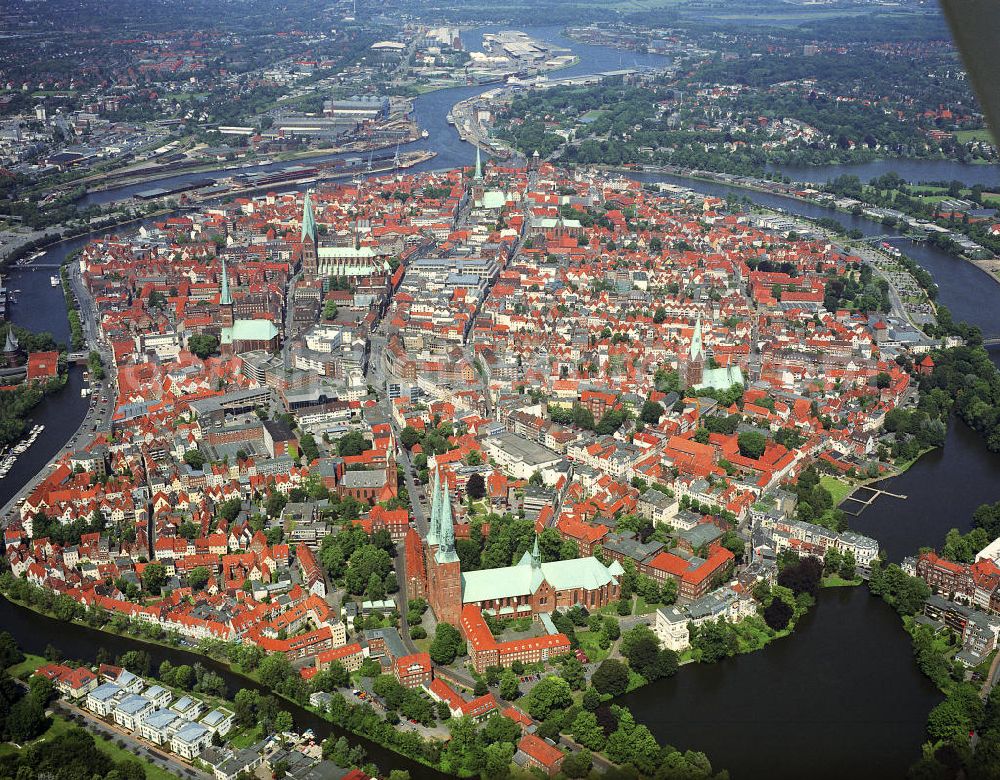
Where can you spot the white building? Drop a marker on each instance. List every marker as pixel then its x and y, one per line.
pixel 130 711
pixel 190 740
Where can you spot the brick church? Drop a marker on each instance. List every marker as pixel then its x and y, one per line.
pixel 528 588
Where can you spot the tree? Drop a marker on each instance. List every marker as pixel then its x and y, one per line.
pixel 446 644
pixel 476 487
pixel 329 309
pixel 777 614
pixel 639 645
pixel 154 575
pixel 611 677
pixel 651 412
pixel 549 695
pixel 203 344
pixel 802 577
pixel 409 436
pixel 509 689
pixel 353 443
pixel 26 720
pixel 194 458
pixel 752 444
pixel 577 764
pixel 198 577
pixel 587 731
pixel 715 640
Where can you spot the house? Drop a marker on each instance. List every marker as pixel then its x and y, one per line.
pixel 102 700
pixel 671 628
pixel 190 740
pixel 160 696
pixel 219 720
pixel 413 670
pixel 188 707
pixel 130 710
pixel 43 366
pixel 536 752
pixel 158 726
pixel 657 507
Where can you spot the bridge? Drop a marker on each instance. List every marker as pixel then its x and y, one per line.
pixel 77 357
pixel 991 342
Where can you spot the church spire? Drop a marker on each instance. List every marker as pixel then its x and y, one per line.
pixel 536 556
pixel 446 528
pixel 308 220
pixel 225 299
pixel 696 345
pixel 12 344
pixel 478 175
pixel 433 535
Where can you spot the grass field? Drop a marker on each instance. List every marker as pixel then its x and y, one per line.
pixel 837 487
pixel 834 581
pixel 964 136
pixel 29 664
pixel 60 725
pixel 589 645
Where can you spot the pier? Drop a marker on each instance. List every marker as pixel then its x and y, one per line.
pixel 868 499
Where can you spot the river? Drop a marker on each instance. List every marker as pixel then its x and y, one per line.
pixel 804 706
pixel 34 632
pixel 912 170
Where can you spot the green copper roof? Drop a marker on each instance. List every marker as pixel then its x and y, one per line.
pixel 308 220
pixel 225 299
pixel 433 537
pixel 249 330
pixel 525 578
pixel 696 347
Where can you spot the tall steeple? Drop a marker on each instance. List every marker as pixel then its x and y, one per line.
pixel 446 528
pixel 478 175
pixel 536 556
pixel 310 250
pixel 308 220
pixel 12 345
pixel 225 299
pixel 696 345
pixel 433 535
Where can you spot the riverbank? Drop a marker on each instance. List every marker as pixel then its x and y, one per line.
pixel 989 266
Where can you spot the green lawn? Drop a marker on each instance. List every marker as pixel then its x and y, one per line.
pixel 642 607
pixel 589 645
pixel 964 136
pixel 837 487
pixel 28 665
pixel 60 725
pixel 834 581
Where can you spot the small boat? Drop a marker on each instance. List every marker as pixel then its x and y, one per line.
pixel 424 134
pixel 54 281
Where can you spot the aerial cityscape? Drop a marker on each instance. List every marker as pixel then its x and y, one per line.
pixel 531 390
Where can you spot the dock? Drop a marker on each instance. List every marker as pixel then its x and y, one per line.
pixel 868 498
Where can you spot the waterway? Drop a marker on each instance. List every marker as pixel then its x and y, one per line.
pixel 839 698
pixel 34 632
pixel 914 171
pixel 803 707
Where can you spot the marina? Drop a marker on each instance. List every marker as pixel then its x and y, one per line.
pixel 10 458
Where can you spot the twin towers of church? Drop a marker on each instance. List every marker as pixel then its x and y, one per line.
pixel 444 570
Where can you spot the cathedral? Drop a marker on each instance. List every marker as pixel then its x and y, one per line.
pixel 243 335
pixel 692 367
pixel 526 589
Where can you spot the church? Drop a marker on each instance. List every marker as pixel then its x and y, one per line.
pixel 243 335
pixel 693 372
pixel 525 589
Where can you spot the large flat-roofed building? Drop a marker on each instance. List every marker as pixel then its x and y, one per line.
pixel 519 456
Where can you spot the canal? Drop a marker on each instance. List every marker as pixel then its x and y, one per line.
pixel 841 697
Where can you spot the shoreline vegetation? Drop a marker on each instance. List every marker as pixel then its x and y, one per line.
pixel 782 605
